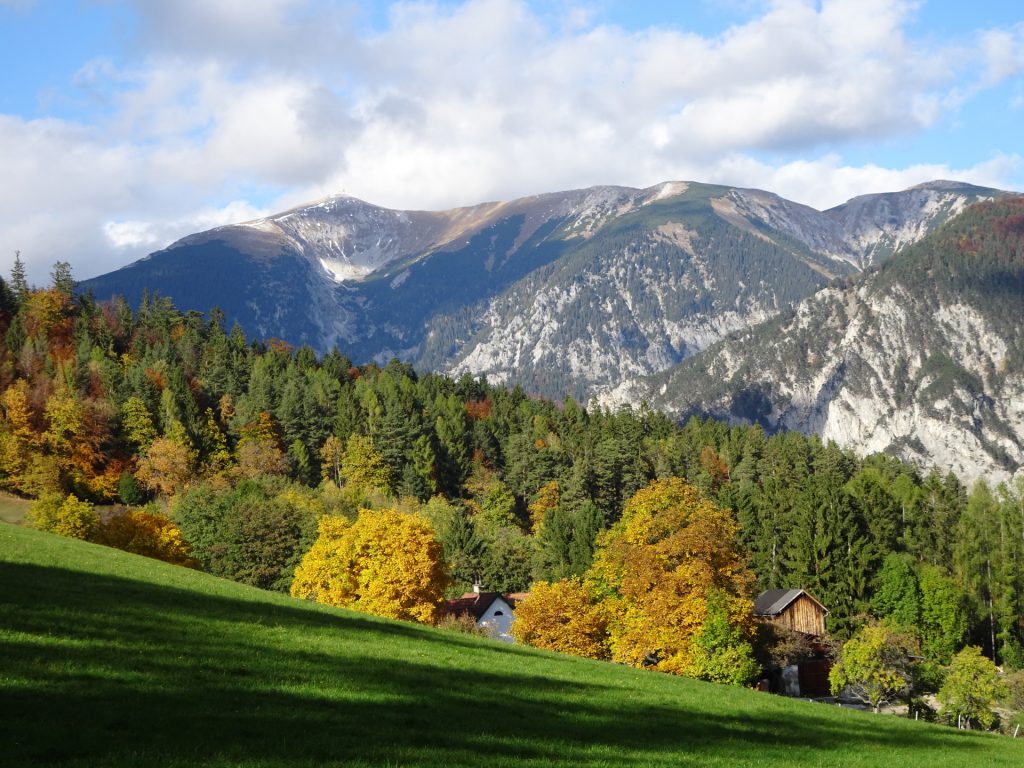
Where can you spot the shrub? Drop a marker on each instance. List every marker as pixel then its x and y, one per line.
pixel 146 533
pixel 64 516
pixel 462 622
pixel 971 688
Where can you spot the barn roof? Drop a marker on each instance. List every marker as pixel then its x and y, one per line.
pixel 772 602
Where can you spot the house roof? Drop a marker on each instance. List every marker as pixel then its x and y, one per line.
pixel 772 602
pixel 477 603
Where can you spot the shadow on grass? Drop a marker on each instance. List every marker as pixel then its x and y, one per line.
pixel 124 672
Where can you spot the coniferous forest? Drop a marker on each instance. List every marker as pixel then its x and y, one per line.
pixel 245 445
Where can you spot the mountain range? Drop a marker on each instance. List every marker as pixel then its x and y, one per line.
pixel 612 293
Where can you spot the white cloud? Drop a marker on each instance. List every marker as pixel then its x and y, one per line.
pixel 1003 53
pixel 825 182
pixel 454 104
pixel 150 234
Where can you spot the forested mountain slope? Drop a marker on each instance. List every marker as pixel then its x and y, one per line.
pixel 923 358
pixel 569 292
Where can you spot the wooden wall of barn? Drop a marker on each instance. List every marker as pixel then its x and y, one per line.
pixel 803 615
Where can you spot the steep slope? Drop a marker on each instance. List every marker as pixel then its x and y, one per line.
pixel 569 292
pixel 923 358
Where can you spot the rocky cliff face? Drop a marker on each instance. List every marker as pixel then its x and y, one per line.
pixel 923 358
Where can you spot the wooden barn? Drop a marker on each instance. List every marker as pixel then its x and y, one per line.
pixel 794 609
pixel 798 611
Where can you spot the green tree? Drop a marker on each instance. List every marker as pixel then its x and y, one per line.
pixel 944 614
pixel 897 595
pixel 976 556
pixel 971 688
pixel 138 423
pixel 61 278
pixel 722 652
pixel 874 665
pixel 254 533
pixel 19 282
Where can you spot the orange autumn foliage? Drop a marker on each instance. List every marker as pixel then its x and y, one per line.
pixel 479 410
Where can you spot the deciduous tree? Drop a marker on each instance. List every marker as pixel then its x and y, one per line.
pixel 658 567
pixel 874 665
pixel 971 688
pixel 563 617
pixel 385 563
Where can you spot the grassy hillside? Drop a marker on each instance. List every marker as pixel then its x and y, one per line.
pixel 107 659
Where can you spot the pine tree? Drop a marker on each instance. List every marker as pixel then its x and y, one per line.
pixel 19 282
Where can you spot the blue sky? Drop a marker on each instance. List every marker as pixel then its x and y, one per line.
pixel 131 123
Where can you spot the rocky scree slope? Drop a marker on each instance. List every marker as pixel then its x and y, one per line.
pixel 923 358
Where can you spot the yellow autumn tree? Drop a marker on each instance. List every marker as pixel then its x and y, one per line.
pixel 546 499
pixel 562 617
pixel 259 452
pixel 656 570
pixel 145 533
pixel 386 563
pixel 363 468
pixel 331 453
pixel 18 440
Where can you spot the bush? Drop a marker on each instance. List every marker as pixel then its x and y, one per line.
pixel 64 516
pixel 147 533
pixel 129 490
pixel 462 622
pixel 971 688
pixel 1015 686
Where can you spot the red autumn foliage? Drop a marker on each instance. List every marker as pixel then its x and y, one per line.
pixel 479 410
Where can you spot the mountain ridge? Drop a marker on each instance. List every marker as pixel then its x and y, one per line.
pixel 313 274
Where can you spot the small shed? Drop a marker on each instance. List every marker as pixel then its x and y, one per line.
pixel 792 608
pixel 493 611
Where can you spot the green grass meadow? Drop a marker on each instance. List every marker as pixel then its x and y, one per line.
pixel 108 659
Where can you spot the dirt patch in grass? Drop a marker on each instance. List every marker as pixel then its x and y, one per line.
pixel 13 509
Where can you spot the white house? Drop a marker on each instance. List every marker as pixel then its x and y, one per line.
pixel 493 611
